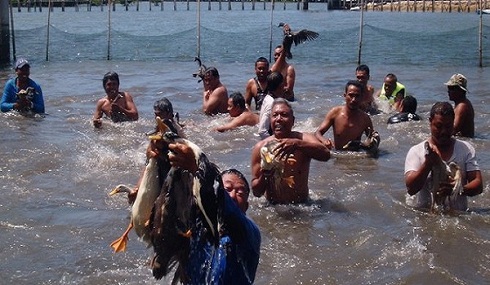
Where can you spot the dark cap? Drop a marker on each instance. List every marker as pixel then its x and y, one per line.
pixel 21 62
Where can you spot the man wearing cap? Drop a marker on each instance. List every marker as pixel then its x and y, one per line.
pixel 464 121
pixel 22 93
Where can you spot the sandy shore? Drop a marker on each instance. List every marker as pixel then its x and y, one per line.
pixel 427 6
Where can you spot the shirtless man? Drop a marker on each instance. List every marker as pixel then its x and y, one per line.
pixel 362 75
pixel 116 105
pixel 464 121
pixel 215 95
pixel 257 87
pixel 302 146
pixel 241 116
pixel 287 71
pixel 349 122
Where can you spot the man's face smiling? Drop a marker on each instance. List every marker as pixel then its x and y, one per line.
pixel 282 120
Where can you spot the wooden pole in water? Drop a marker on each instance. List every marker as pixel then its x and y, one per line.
pixel 361 24
pixel 270 43
pixel 5 8
pixel 199 28
pixel 480 42
pixel 109 31
pixel 47 33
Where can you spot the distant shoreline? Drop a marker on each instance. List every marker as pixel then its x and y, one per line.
pixel 425 6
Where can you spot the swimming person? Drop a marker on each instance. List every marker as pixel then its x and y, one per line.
pixel 408 109
pixel 116 105
pixel 239 113
pixel 419 162
pixel 22 93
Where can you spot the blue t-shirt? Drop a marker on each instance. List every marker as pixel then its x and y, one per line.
pixel 9 96
pixel 234 259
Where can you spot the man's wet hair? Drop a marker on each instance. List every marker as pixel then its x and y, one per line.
pixel 261 59
pixel 164 105
pixel 111 75
pixel 364 68
pixel 213 71
pixel 444 109
pixel 274 80
pixel 409 104
pixel 240 175
pixel 355 83
pixel 279 101
pixel 238 100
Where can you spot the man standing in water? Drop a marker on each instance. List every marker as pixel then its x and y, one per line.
pixel 240 245
pixel 287 70
pixel 116 105
pixel 363 76
pixel 22 93
pixel 392 91
pixel 215 95
pixel 349 122
pixel 419 163
pixel 464 121
pixel 296 151
pixel 257 87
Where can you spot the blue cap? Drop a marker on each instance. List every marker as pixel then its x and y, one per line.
pixel 21 62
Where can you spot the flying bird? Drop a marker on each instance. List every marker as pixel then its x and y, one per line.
pixel 296 37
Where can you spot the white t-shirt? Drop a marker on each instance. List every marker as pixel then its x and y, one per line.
pixel 265 117
pixel 463 154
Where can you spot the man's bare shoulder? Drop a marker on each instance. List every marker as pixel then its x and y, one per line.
pixel 261 143
pixel 335 111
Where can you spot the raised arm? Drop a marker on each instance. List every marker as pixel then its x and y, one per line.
pixel 248 92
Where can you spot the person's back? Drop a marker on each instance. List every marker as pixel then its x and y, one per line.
pixel 408 113
pixel 275 82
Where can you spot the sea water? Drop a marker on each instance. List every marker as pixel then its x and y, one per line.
pixel 57 221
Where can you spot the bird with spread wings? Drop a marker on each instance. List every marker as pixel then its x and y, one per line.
pixel 296 37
